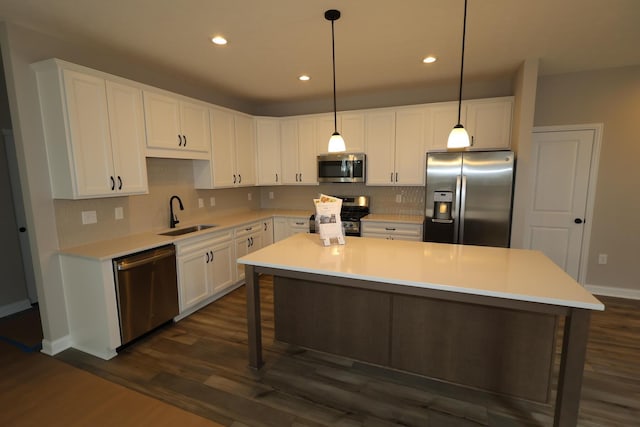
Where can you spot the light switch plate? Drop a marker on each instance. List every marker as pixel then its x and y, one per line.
pixel 119 213
pixel 249 196
pixel 270 194
pixel 212 201
pixel 89 217
pixel 200 203
pixel 398 198
pixel 603 258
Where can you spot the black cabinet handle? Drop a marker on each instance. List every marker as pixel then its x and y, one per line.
pixel 265 226
pixel 185 140
pixel 211 252
pixel 396 176
pixel 22 229
pixel 234 178
pixel 391 178
pixel 207 257
pixel 578 221
pixel 276 177
pixel 239 179
pixel 113 183
pixel 179 140
pixel 119 183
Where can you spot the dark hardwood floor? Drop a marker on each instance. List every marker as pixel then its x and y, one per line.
pixel 200 364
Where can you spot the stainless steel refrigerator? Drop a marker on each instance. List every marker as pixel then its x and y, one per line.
pixel 468 198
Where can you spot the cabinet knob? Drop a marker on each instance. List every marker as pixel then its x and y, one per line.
pixel 578 221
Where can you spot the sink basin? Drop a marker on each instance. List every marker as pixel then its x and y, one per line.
pixel 187 230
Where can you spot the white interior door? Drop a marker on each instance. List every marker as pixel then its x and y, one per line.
pixel 561 165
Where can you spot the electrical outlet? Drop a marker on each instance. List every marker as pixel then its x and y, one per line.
pixel 212 201
pixel 398 198
pixel 249 196
pixel 89 217
pixel 119 214
pixel 200 203
pixel 603 258
pixel 271 195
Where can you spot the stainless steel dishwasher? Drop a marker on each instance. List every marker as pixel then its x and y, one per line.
pixel 146 290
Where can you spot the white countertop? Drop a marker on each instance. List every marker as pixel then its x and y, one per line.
pixel 114 248
pixel 516 274
pixel 406 219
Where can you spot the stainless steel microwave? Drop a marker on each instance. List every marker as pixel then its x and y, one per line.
pixel 342 167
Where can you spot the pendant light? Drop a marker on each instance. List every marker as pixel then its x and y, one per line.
pixel 336 142
pixel 459 138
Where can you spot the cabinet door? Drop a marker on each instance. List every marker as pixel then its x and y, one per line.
pixel 267 232
pixel 245 150
pixel 222 148
pixel 307 153
pixel 194 121
pixel 194 278
pixel 324 128
pixel 126 123
pixel 410 154
pixel 380 129
pixel 280 229
pixel 268 149
pixel 488 122
pixel 444 116
pixel 352 130
pixel 162 121
pixel 289 150
pixel 221 267
pixel 89 134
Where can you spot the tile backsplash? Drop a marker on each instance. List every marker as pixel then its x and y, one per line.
pixel 149 212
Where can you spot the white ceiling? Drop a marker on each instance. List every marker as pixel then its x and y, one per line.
pixel 379 43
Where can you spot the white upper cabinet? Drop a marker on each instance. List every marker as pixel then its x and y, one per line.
pixel 233 154
pixel 350 126
pixel 176 127
pixel 94 132
pixel 488 122
pixel 268 148
pixel 298 149
pixel 380 136
pixel 395 146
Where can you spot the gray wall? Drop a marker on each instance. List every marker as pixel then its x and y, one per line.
pixel 611 97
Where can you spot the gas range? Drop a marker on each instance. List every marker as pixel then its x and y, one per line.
pixel 353 209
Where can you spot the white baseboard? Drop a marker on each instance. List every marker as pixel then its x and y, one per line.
pixel 14 307
pixel 52 348
pixel 609 291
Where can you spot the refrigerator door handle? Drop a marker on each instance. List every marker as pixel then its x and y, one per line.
pixel 456 209
pixel 463 207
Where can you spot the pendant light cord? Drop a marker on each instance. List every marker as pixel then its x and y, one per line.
pixel 333 56
pixel 464 31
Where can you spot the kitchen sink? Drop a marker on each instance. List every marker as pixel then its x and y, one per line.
pixel 187 230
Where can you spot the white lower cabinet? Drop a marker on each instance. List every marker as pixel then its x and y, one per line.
pixel 248 238
pixel 284 227
pixel 205 270
pixel 267 232
pixel 392 230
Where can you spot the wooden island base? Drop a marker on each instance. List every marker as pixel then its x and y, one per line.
pixel 463 343
pixel 496 344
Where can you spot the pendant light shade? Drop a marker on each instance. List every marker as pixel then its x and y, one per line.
pixel 336 142
pixel 459 138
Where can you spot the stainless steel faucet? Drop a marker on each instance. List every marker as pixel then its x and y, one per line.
pixel 174 219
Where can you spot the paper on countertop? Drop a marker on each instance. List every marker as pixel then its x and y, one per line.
pixel 328 218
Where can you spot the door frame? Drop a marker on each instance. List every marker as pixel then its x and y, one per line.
pixel 597 129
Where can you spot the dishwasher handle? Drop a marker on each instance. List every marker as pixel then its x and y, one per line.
pixel 155 256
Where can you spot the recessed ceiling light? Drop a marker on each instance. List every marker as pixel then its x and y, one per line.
pixel 219 40
pixel 429 59
pixel 304 78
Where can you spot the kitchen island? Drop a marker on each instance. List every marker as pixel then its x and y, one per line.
pixel 476 316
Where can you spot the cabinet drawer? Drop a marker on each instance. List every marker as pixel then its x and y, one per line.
pixel 395 229
pixel 247 229
pixel 200 242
